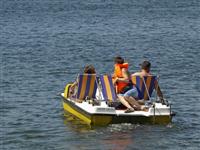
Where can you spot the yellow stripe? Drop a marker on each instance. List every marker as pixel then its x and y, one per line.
pixel 141 82
pixel 92 83
pixel 66 91
pixel 92 119
pixel 76 113
pixel 148 82
pixel 83 87
pixel 108 90
pixel 134 80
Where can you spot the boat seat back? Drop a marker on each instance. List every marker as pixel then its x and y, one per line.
pixel 66 90
pixel 145 85
pixel 108 89
pixel 87 86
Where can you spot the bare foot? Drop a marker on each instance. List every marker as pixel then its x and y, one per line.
pixel 129 110
pixel 78 101
pixel 143 108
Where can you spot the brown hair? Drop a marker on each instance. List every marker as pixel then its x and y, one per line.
pixel 119 60
pixel 146 65
pixel 89 69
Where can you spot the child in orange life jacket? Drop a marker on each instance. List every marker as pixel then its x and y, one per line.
pixel 121 79
pixel 121 75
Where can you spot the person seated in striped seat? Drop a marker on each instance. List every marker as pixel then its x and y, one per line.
pixel 76 91
pixel 138 79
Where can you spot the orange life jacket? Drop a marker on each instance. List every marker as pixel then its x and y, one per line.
pixel 118 73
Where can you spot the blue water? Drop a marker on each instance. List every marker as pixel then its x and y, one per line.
pixel 44 44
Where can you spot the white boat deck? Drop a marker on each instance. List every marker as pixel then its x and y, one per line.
pixel 103 108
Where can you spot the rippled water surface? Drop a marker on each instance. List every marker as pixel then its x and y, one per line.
pixel 44 44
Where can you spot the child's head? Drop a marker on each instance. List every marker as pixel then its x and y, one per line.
pixel 89 69
pixel 119 60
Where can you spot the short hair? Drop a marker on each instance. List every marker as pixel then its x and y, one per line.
pixel 89 69
pixel 119 60
pixel 146 65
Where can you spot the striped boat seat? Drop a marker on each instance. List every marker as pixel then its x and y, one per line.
pixel 108 89
pixel 87 86
pixel 145 86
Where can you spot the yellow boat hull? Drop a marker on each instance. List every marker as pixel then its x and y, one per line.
pixel 105 119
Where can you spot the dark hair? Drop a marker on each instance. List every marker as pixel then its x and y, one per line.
pixel 146 65
pixel 119 60
pixel 89 69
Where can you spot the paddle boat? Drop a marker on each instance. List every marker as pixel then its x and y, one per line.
pixel 96 102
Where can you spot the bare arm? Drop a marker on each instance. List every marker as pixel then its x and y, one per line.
pixel 73 86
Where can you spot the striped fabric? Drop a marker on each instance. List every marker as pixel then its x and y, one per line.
pixel 108 89
pixel 87 86
pixel 150 82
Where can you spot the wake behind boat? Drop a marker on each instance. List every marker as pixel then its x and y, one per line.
pixel 96 102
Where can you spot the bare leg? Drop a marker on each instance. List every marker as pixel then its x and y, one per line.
pixel 124 102
pixel 133 103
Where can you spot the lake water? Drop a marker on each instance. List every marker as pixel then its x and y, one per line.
pixel 45 43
